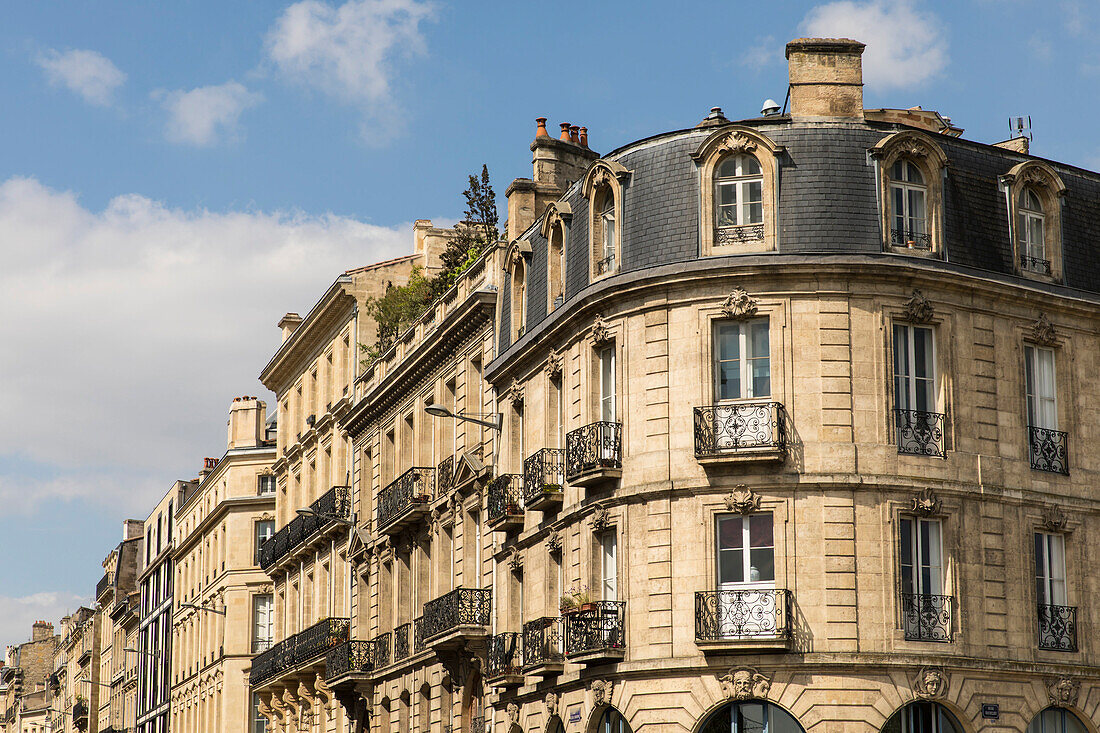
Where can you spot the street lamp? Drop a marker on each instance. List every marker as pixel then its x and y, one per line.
pixel 199 607
pixel 493 423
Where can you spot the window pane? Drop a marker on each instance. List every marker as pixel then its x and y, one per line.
pixel 750 166
pixel 905 540
pixel 730 532
pixel 760 530
pixel 731 567
pixel 898 195
pixel 750 718
pixel 916 211
pixel 729 381
pixel 727 168
pixel 761 565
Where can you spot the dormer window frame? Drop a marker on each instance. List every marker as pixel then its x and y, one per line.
pixel 603 187
pixel 517 265
pixel 908 152
pixel 1036 180
pixel 555 230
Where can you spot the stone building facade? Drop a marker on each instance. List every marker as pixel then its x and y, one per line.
pixel 25 676
pixel 116 593
pixel 75 680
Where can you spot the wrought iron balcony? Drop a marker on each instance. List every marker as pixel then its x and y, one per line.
pixel 752 430
pixel 594 452
pixel 544 479
pixel 380 650
pixel 606 265
pixel 351 657
pixel 738 234
pixel 1047 449
pixel 505 502
pixel 445 476
pixel 920 433
pixel 1035 264
pixel 304 527
pixel 463 611
pixel 103 585
pixel 504 660
pixel 742 616
pixel 405 499
pixel 596 635
pixel 543 646
pixel 80 714
pixel 926 617
pixel 401 642
pixel 912 240
pixel 1058 628
pixel 300 649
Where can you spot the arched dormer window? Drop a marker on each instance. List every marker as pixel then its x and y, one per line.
pixel 603 188
pixel 739 191
pixel 517 269
pixel 557 215
pixel 911 166
pixel 1034 194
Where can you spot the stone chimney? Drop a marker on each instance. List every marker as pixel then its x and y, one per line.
pixel 208 466
pixel 132 528
pixel 41 631
pixel 288 323
pixel 246 422
pixel 826 76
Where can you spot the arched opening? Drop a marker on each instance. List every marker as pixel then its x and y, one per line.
pixel 606 239
pixel 909 206
pixel 519 297
pixel 555 265
pixel 555 725
pixel 1056 720
pixel 611 721
pixel 922 717
pixel 751 717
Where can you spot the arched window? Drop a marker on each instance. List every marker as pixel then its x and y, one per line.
pixel 922 717
pixel 1031 232
pixel 554 220
pixel 612 721
pixel 519 298
pixel 1034 196
pixel 751 717
pixel 603 187
pixel 910 166
pixel 908 206
pixel 738 199
pixel 1056 720
pixel 607 234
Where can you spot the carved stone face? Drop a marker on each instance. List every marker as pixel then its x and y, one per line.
pixel 1064 691
pixel 933 682
pixel 742 683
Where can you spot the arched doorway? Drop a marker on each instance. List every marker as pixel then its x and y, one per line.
pixel 1056 720
pixel 751 717
pixel 611 721
pixel 922 717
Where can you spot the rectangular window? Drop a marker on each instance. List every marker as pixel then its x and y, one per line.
pixel 264 530
pixel 746 550
pixel 259 722
pixel 266 485
pixel 921 557
pixel 1042 406
pixel 262 618
pixel 1050 569
pixel 609 566
pixel 742 360
pixel 607 384
pixel 914 369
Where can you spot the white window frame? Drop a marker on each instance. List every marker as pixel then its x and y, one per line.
pixel 258 623
pixel 740 182
pixel 1050 569
pixel 609 565
pixel 746 553
pixel 905 384
pixel 261 537
pixel 906 216
pixel 608 235
pixel 607 365
pixel 1028 219
pixel 746 359
pixel 936 584
pixel 1042 408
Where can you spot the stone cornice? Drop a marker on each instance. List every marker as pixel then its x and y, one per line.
pixel 235 503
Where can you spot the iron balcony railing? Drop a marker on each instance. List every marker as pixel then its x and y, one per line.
pixel 380 650
pixel 460 607
pixel 401 642
pixel 728 428
pixel 504 655
pixel 478 724
pixel 913 240
pixel 1035 264
pixel 606 265
pixel 543 473
pixel 334 502
pixel 593 447
pixel 1058 628
pixel 758 613
pixel 296 650
pixel 926 617
pixel 351 656
pixel 102 586
pixel 601 629
pixel 739 234
pixel 445 476
pixel 543 642
pixel 418 635
pixel 920 433
pixel 412 488
pixel 505 497
pixel 1047 449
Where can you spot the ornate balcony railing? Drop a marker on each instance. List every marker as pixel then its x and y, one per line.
pixel 445 476
pixel 299 649
pixel 380 650
pixel 102 586
pixel 1058 628
pixel 926 617
pixel 607 264
pixel 410 489
pixel 920 433
pixel 1035 264
pixel 334 502
pixel 738 234
pixel 477 724
pixel 599 630
pixel 543 474
pixel 913 240
pixel 1047 449
pixel 542 642
pixel 742 614
pixel 504 655
pixel 460 607
pixel 739 426
pixel 595 446
pixel 351 656
pixel 505 498
pixel 401 642
pixel 418 634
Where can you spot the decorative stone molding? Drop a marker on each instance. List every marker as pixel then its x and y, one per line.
pixel 266 588
pixel 512 710
pixel 930 682
pixel 745 683
pixel 554 364
pixel 1054 518
pixel 306 694
pixel 514 394
pixel 599 334
pixel 603 173
pixel 515 561
pixel 601 692
pixel 739 304
pixel 558 213
pixel 266 517
pixel 551 702
pixel 1043 331
pixel 926 504
pixel 322 687
pixel 918 309
pixel 554 542
pixel 1063 692
pixel 600 520
pixel 735 142
pixel 743 500
pixel 909 144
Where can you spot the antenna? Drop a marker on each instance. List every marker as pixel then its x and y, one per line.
pixel 1020 127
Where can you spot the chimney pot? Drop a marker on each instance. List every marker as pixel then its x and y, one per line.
pixel 540 131
pixel 564 132
pixel 584 137
pixel 574 136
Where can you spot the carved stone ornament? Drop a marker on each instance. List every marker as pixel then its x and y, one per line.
pixel 553 364
pixel 739 304
pixel 743 500
pixel 918 309
pixel 930 682
pixel 551 701
pixel 736 142
pixel 324 689
pixel 600 177
pixel 515 394
pixel 1035 175
pixel 1063 692
pixel 515 562
pixel 267 517
pixel 600 334
pixel 926 504
pixel 600 520
pixel 305 693
pixel 553 543
pixel 512 710
pixel 1042 331
pixel 1054 518
pixel 601 692
pixel 912 149
pixel 745 683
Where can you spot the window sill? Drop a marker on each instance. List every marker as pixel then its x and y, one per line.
pixel 738 248
pixel 743 455
pixel 1038 276
pixel 744 644
pixel 930 254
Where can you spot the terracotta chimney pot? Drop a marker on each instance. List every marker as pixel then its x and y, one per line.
pixel 564 132
pixel 541 131
pixel 584 137
pixel 573 135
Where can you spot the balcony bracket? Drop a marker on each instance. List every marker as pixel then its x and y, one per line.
pixel 462 660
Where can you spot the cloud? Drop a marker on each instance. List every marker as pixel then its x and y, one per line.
pixel 17 615
pixel 89 74
pixel 348 51
pixel 905 46
pixel 128 331
pixel 200 116
pixel 762 53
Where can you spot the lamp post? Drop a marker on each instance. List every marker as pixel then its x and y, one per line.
pixel 200 607
pixel 494 423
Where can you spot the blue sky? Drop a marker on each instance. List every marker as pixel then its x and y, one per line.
pixel 176 176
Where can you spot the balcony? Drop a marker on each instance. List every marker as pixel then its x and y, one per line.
pixel 452 619
pixel 380 650
pixel 478 724
pixel 1058 628
pixel 305 527
pixel 543 650
pixel 349 661
pixel 505 503
pixel 445 476
pixel 103 585
pixel 740 431
pixel 1047 449
pixel 405 500
pixel 80 715
pixel 504 660
pixel 926 617
pixel 298 650
pixel 753 618
pixel 594 453
pixel 401 642
pixel 1035 264
pixel 544 479
pixel 910 240
pixel 418 635
pixel 598 635
pixel 920 433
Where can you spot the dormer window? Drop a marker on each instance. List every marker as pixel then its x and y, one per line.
pixel 557 215
pixel 909 206
pixel 1033 192
pixel 910 167
pixel 739 188
pixel 516 264
pixel 1030 223
pixel 603 187
pixel 606 262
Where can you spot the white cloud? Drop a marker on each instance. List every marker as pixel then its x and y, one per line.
pixel 348 51
pixel 905 45
pixel 128 331
pixel 762 53
pixel 17 615
pixel 89 74
pixel 200 116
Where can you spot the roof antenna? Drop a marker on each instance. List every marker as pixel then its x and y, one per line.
pixel 1018 129
pixel 786 100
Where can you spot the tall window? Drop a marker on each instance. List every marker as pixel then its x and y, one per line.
pixel 921 557
pixel 259 722
pixel 608 234
pixel 746 551
pixel 262 617
pixel 1042 407
pixel 1030 223
pixel 609 565
pixel 519 297
pixel 1050 569
pixel 742 363
pixel 914 369
pixel 266 485
pixel 738 192
pixel 908 197
pixel 607 384
pixel 264 530
pixel 555 263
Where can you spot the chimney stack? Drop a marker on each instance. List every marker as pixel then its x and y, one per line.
pixel 246 425
pixel 41 631
pixel 288 323
pixel 826 76
pixel 132 528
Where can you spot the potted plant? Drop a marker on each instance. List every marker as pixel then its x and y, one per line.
pixel 566 605
pixel 581 600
